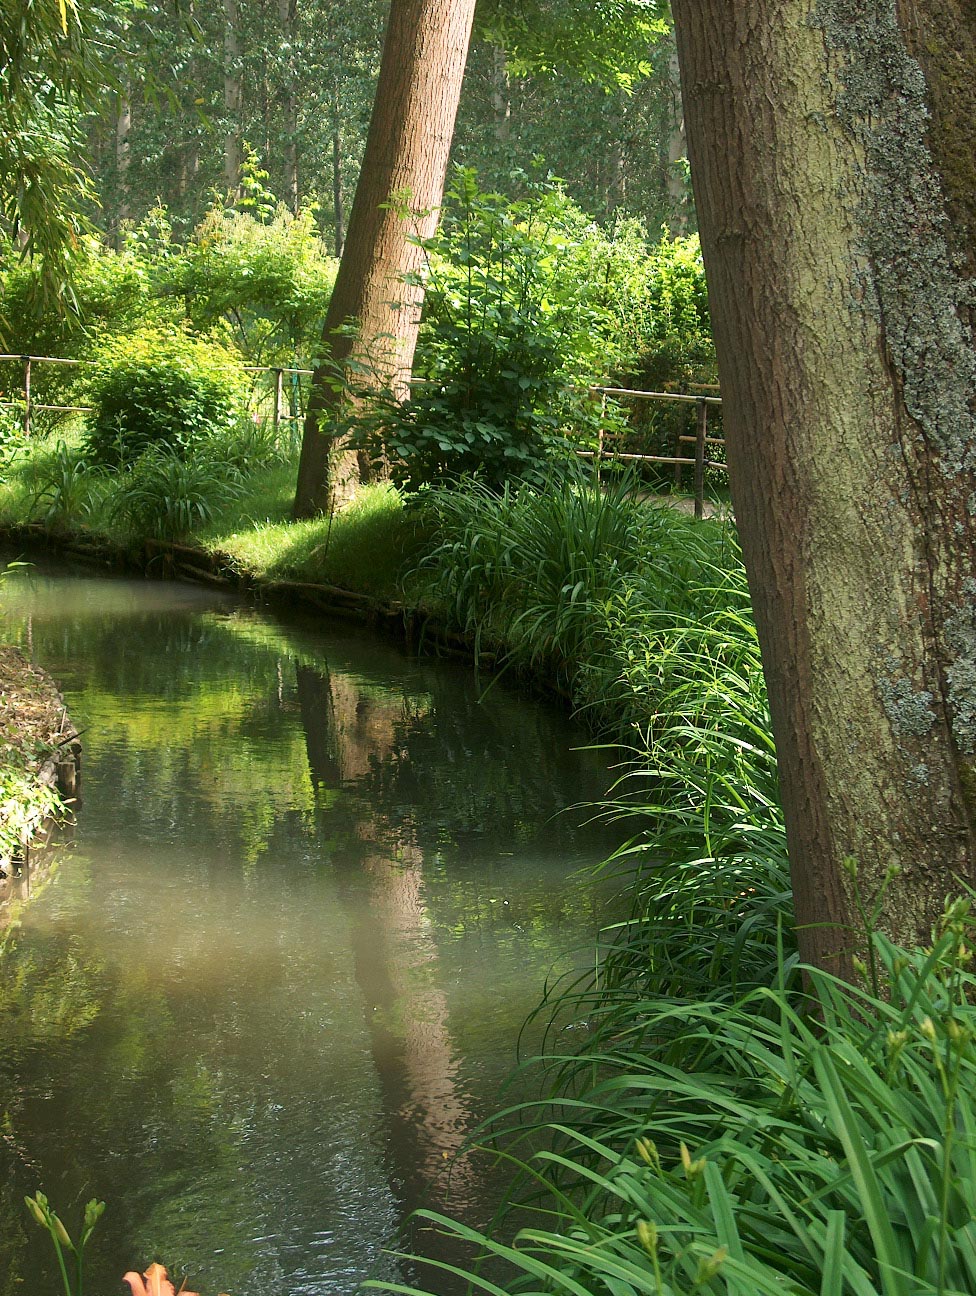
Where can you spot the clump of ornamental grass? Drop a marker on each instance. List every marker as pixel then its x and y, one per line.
pixel 818 1142
pixel 168 495
pixel 65 487
pixel 537 573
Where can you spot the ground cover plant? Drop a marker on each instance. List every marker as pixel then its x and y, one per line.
pixel 29 734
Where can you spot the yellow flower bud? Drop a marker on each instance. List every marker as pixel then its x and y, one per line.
pixel 691 1168
pixel 647 1151
pixel 36 1211
pixel 647 1236
pixel 927 1028
pixel 62 1232
pixel 707 1269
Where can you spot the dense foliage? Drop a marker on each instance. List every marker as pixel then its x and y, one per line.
pixel 161 387
pixel 528 303
pixel 267 281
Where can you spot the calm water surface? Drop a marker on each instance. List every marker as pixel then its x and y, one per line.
pixel 279 975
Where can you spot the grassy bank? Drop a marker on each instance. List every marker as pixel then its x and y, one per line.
pixel 246 517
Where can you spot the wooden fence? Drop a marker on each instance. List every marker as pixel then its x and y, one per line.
pixel 604 453
pixel 699 460
pixel 30 406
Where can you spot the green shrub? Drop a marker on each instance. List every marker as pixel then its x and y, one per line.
pixel 267 281
pixel 516 324
pixel 161 387
pixel 168 495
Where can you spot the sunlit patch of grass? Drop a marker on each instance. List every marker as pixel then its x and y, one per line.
pixel 363 547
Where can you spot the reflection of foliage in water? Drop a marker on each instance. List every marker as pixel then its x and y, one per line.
pixel 223 745
pixel 220 733
pixel 496 768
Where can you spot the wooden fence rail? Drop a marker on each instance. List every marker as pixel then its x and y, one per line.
pixel 701 440
pixel 32 406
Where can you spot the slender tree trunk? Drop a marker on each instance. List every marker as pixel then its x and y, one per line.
pixel 832 148
pixel 677 153
pixel 288 18
pixel 501 94
pixel 406 155
pixel 337 209
pixel 123 129
pixel 232 95
pixel 617 186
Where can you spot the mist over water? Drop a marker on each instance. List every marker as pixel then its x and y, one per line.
pixel 278 976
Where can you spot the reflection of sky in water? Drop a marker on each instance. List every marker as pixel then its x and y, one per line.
pixel 315 890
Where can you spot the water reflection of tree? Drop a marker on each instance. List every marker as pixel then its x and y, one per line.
pixel 422 779
pixel 233 747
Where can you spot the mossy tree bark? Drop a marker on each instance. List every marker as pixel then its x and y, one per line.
pixel 400 187
pixel 832 149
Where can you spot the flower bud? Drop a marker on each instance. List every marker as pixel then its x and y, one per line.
pixel 35 1210
pixel 707 1269
pixel 647 1151
pixel 647 1236
pixel 691 1168
pixel 61 1232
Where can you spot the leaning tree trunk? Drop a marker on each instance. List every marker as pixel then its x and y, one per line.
pixel 832 147
pixel 400 187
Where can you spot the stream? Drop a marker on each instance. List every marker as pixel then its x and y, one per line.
pixel 278 972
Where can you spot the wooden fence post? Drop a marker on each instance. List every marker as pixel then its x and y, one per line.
pixel 600 435
pixel 27 394
pixel 278 392
pixel 700 434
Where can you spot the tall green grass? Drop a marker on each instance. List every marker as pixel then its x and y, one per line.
pixel 819 1144
pixel 547 576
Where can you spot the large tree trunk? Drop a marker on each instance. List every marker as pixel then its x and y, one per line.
pixel 832 149
pixel 405 159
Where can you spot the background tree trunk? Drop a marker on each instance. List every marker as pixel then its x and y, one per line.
pixel 232 95
pixel 841 293
pixel 123 129
pixel 406 156
pixel 677 152
pixel 288 18
pixel 338 214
